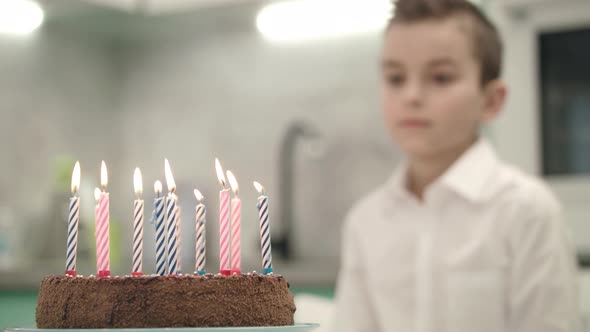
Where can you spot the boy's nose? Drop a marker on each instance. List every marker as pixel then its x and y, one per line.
pixel 413 94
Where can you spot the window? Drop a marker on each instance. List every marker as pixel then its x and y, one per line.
pixel 565 101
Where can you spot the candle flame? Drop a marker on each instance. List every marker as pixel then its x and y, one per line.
pixel 233 182
pixel 137 182
pixel 97 194
pixel 220 175
pixel 259 187
pixel 169 178
pixel 104 179
pixel 198 195
pixel 76 178
pixel 158 187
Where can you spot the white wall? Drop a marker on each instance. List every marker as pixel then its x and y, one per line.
pixel 58 98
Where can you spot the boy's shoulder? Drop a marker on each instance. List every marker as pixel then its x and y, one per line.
pixel 509 187
pixel 525 190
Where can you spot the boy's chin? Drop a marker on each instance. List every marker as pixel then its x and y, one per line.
pixel 418 149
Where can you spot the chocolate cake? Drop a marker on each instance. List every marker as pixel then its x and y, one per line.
pixel 153 301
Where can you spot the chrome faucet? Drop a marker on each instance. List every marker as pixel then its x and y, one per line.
pixel 283 244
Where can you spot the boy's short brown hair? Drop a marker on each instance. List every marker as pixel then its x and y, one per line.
pixel 486 38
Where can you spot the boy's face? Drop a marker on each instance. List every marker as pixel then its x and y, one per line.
pixel 433 99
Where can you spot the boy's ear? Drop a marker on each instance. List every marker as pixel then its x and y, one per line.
pixel 495 96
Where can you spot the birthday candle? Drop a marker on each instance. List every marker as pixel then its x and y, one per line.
pixel 137 265
pixel 158 218
pixel 200 246
pixel 102 230
pixel 224 236
pixel 97 226
pixel 236 226
pixel 74 218
pixel 264 229
pixel 171 221
pixel 178 238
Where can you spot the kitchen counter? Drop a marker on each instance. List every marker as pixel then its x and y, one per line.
pixel 17 309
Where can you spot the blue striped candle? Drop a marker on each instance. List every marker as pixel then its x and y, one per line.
pixel 137 266
pixel 73 221
pixel 264 229
pixel 159 203
pixel 178 239
pixel 171 230
pixel 172 222
pixel 200 254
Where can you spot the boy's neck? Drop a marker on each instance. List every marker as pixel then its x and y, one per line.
pixel 422 172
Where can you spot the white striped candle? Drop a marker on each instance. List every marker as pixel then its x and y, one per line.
pixel 159 213
pixel 264 229
pixel 224 236
pixel 137 264
pixel 73 220
pixel 178 238
pixel 172 214
pixel 236 226
pixel 200 245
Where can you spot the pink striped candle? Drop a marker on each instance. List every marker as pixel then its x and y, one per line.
pixel 102 230
pixel 224 236
pixel 236 226
pixel 96 224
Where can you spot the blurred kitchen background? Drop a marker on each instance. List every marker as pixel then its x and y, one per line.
pixel 284 93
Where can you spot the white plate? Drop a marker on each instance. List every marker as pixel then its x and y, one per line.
pixel 305 327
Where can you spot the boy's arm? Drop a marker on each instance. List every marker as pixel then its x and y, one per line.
pixel 543 275
pixel 353 311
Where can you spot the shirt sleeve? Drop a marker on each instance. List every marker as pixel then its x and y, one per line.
pixel 353 309
pixel 543 275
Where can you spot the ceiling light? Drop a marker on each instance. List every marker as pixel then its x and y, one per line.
pixel 301 20
pixel 20 17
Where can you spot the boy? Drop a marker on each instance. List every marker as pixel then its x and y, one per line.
pixel 456 240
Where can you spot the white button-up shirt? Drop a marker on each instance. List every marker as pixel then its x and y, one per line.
pixel 485 251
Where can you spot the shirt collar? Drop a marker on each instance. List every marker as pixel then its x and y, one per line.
pixel 468 176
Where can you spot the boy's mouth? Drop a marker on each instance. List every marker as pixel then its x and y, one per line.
pixel 414 123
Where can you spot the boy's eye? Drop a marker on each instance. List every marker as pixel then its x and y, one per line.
pixel 394 79
pixel 442 78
